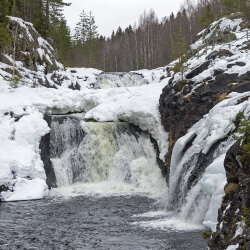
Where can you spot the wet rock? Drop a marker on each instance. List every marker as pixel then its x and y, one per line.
pixel 45 157
pixel 181 108
pixel 236 200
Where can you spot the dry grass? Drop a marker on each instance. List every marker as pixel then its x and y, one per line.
pixel 222 97
pixel 230 187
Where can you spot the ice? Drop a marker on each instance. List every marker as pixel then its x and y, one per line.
pixel 239 229
pixel 233 247
pixel 22 124
pixel 204 199
pixel 26 190
pixel 137 105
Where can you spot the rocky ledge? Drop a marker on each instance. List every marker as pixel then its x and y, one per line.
pixel 233 228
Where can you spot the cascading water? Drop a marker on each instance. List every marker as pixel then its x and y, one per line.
pixel 113 80
pixel 189 193
pixel 117 154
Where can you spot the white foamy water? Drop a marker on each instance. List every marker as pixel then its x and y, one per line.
pixel 110 159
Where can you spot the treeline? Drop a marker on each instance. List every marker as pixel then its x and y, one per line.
pixel 146 44
pixel 46 16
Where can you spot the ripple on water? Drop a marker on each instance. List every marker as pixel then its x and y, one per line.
pixel 90 223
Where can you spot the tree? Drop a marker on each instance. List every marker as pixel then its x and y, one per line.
pixel 38 18
pixel 4 11
pixel 232 6
pixel 179 52
pixel 86 41
pixel 5 38
pixel 53 12
pixel 207 17
pixel 62 39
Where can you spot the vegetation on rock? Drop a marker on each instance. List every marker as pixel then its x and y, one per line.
pixel 179 52
pixel 208 16
pixel 242 134
pixel 5 38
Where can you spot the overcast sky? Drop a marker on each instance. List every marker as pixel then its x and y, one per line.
pixel 110 14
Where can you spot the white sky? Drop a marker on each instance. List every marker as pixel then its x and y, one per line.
pixel 110 14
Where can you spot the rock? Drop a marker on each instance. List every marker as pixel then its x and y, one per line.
pixel 237 197
pixel 45 157
pixel 179 113
pixel 241 88
pixel 230 65
pixel 218 72
pixel 220 53
pixel 28 44
pixel 75 86
pixel 198 70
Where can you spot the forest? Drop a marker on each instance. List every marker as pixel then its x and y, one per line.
pixel 146 44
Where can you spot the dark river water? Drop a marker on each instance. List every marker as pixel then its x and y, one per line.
pixel 88 223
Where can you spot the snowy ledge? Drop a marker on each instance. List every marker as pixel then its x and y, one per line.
pixel 22 126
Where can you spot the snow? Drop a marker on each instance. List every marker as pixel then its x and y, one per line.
pixel 213 127
pixel 239 229
pixel 22 124
pixel 233 247
pixel 26 190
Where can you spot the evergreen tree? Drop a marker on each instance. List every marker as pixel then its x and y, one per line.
pixel 232 6
pixel 53 12
pixel 80 34
pixel 14 9
pixel 86 41
pixel 4 11
pixel 63 42
pixel 118 32
pixel 129 30
pixel 38 18
pixel 207 17
pixel 179 52
pixel 5 38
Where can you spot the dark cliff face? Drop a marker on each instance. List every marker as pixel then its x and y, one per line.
pixel 234 216
pixel 182 104
pixel 45 157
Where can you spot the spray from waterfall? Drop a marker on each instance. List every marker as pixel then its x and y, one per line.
pixel 110 156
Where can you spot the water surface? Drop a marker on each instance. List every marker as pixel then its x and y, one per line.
pixel 89 223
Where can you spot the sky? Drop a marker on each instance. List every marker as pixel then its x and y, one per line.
pixel 110 14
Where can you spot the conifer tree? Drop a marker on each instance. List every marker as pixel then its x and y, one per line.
pixel 38 18
pixel 179 52
pixel 53 12
pixel 63 42
pixel 232 6
pixel 86 40
pixel 5 37
pixel 207 17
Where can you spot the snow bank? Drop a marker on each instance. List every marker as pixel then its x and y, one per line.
pixel 22 124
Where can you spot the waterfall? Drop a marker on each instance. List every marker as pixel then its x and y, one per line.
pixel 189 194
pixel 117 153
pixel 113 80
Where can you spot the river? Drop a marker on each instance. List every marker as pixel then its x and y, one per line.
pixel 90 222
